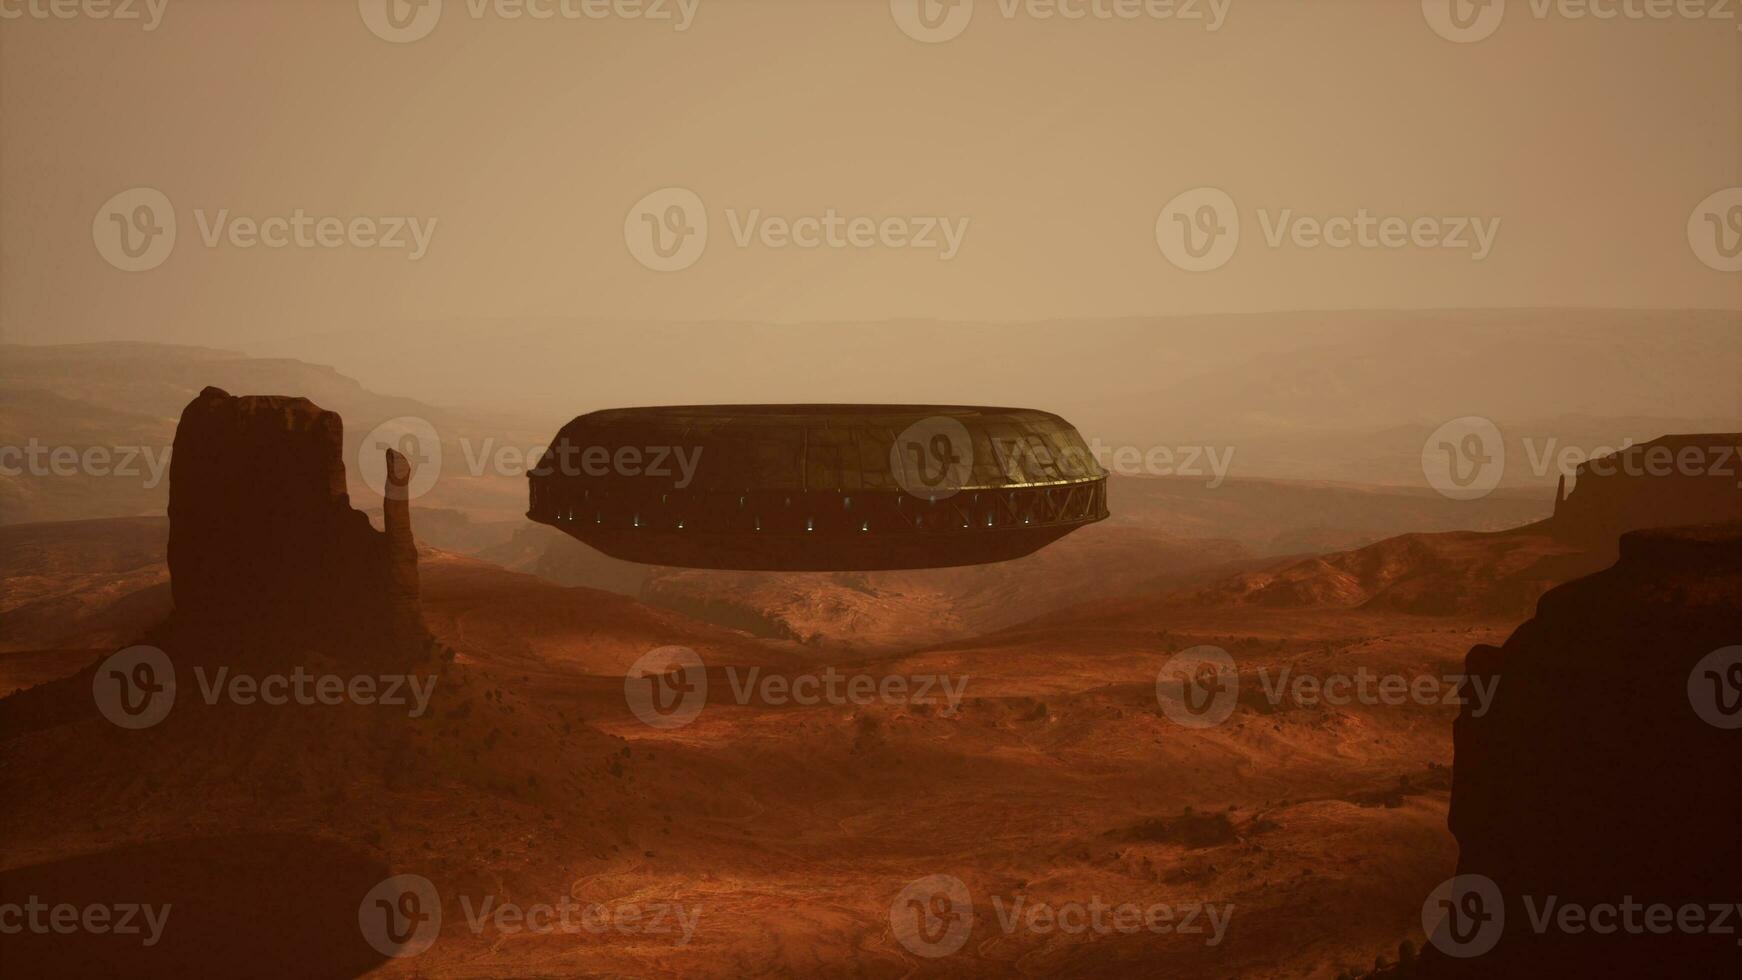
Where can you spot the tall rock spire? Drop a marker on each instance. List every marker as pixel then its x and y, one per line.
pixel 401 546
pixel 266 552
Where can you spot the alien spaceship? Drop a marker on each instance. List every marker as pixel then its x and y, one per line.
pixel 818 487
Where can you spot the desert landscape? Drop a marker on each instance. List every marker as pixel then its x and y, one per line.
pixel 1223 489
pixel 1028 753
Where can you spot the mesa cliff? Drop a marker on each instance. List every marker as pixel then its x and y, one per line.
pixel 1669 482
pixel 1598 776
pixel 269 563
pixel 264 546
pixel 1675 481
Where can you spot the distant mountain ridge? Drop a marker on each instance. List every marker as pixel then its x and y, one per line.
pixel 1141 379
pixel 1504 572
pixel 127 397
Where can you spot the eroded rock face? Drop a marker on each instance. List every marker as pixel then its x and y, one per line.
pixel 1669 482
pixel 264 546
pixel 1597 777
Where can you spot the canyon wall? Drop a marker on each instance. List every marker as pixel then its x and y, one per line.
pixel 264 545
pixel 1668 482
pixel 1604 773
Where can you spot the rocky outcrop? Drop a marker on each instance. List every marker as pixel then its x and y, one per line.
pixel 265 549
pixel 1669 482
pixel 1674 481
pixel 1597 777
pixel 271 569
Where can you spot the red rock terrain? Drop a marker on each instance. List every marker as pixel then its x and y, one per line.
pixel 1608 728
pixel 789 828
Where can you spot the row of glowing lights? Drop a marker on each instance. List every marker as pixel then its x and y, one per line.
pixel 809 523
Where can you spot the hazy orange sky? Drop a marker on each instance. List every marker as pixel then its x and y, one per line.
pixel 1057 141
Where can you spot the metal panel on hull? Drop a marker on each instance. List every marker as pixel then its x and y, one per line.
pixel 818 487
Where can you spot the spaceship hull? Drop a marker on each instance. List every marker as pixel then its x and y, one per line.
pixel 818 487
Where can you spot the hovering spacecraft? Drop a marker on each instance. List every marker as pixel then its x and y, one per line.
pixel 818 487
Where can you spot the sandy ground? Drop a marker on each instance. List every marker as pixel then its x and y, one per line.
pixel 772 838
